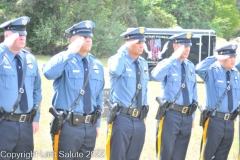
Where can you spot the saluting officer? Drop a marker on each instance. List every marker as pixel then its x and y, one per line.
pixel 78 90
pixel 178 80
pixel 20 93
pixel 128 78
pixel 222 97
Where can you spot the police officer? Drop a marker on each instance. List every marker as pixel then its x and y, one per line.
pixel 178 81
pixel 128 79
pixel 77 73
pixel 20 93
pixel 222 98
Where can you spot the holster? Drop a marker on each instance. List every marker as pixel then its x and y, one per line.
pixel 59 119
pixel 144 111
pixel 1 114
pixel 203 117
pixel 235 114
pixel 33 113
pixel 192 107
pixel 163 106
pixel 113 111
pixel 97 114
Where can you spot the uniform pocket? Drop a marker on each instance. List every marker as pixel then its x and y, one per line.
pixel 96 83
pixel 173 83
pixel 76 80
pixel 129 78
pixel 30 78
pixel 8 78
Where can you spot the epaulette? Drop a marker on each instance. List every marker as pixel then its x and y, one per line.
pixel 25 50
pixel 140 57
pixel 235 69
pixel 92 55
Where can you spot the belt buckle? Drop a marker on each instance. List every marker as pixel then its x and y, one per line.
pixel 134 113
pixel 87 119
pixel 226 116
pixel 22 118
pixel 184 109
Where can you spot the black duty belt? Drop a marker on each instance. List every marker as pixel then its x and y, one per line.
pixel 224 116
pixel 130 111
pixel 182 109
pixel 82 119
pixel 16 117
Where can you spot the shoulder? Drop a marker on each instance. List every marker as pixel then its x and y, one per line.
pixel 95 60
pixel 142 60
pixel 190 63
pixel 29 55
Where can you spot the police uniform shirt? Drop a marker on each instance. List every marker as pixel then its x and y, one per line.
pixel 214 76
pixel 168 72
pixel 9 80
pixel 66 69
pixel 122 70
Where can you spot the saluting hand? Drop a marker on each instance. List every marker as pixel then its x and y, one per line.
pixel 177 53
pixel 9 39
pixel 222 57
pixel 75 46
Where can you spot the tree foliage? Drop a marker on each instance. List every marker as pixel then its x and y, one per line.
pixel 50 19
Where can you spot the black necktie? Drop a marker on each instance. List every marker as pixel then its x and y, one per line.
pixel 138 76
pixel 230 97
pixel 87 94
pixel 23 102
pixel 185 90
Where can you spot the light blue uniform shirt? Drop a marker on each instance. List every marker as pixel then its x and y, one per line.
pixel 66 69
pixel 168 72
pixel 214 76
pixel 9 81
pixel 122 70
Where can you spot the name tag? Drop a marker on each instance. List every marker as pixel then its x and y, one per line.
pixel 174 74
pixel 220 81
pixel 76 71
pixel 7 66
pixel 129 69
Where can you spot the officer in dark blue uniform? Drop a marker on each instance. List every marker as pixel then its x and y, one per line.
pixel 20 93
pixel 178 80
pixel 222 99
pixel 128 78
pixel 77 73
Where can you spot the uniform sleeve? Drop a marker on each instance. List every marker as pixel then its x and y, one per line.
pixel 37 93
pixel 54 68
pixel 202 68
pixel 100 98
pixel 162 69
pixel 116 62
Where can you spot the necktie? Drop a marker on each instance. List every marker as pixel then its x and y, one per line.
pixel 23 102
pixel 230 97
pixel 185 90
pixel 138 85
pixel 87 94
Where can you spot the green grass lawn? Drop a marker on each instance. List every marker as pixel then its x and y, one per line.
pixel 43 143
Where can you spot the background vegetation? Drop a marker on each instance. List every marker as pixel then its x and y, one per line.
pixel 50 19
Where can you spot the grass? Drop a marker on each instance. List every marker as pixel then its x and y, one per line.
pixel 43 143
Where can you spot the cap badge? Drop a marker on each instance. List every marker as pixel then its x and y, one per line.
pixel 141 30
pixel 24 21
pixel 88 24
pixel 188 35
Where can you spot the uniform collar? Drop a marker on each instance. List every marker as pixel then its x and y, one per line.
pixel 11 56
pixel 130 59
pixel 79 57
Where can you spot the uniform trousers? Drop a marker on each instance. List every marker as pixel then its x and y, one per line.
pixel 128 136
pixel 16 140
pixel 76 142
pixel 176 132
pixel 220 135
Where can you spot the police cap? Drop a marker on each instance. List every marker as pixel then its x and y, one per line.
pixel 182 38
pixel 135 33
pixel 83 28
pixel 229 49
pixel 17 25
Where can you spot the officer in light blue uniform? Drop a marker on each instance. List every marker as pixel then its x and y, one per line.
pixel 67 69
pixel 19 117
pixel 219 75
pixel 171 73
pixel 128 131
